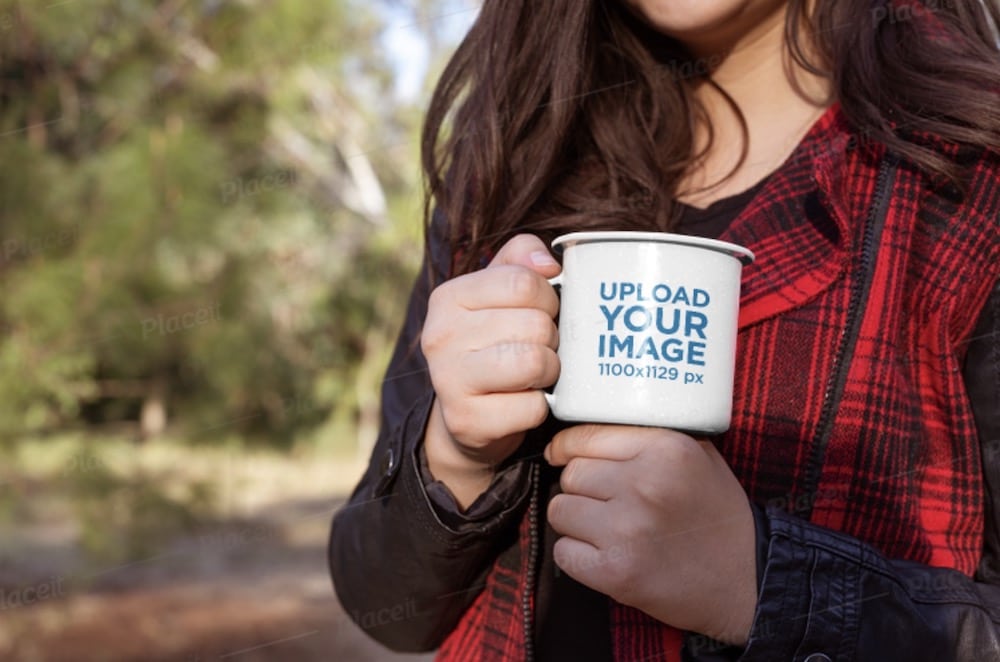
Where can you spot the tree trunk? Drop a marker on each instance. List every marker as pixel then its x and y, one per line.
pixel 153 419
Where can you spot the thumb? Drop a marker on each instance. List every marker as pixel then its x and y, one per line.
pixel 527 250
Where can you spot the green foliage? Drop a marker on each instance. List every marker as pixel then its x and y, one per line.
pixel 126 503
pixel 190 217
pixel 124 519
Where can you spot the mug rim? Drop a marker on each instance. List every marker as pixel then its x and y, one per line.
pixel 744 255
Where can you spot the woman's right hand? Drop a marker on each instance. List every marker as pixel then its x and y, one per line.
pixel 490 341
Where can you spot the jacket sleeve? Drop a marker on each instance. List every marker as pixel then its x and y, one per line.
pixel 828 596
pixel 401 573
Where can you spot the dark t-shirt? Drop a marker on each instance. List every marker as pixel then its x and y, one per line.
pixel 713 220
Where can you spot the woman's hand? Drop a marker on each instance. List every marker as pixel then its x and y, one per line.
pixel 656 520
pixel 490 341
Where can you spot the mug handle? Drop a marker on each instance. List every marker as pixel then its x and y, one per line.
pixel 550 398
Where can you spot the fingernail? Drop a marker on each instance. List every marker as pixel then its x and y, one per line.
pixel 545 453
pixel 542 259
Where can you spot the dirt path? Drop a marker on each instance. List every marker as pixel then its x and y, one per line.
pixel 253 591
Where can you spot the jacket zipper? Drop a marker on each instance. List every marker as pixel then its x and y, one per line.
pixel 529 582
pixel 855 314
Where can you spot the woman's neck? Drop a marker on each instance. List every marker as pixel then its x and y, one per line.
pixel 779 100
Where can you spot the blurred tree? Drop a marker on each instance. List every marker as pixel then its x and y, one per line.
pixel 194 226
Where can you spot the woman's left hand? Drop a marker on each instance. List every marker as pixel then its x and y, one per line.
pixel 656 520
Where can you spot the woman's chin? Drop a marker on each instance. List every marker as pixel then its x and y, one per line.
pixel 703 21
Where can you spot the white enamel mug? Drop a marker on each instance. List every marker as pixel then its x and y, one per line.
pixel 647 329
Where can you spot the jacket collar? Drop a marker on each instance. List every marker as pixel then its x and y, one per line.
pixel 803 224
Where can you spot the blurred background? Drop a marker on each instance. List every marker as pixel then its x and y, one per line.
pixel 210 219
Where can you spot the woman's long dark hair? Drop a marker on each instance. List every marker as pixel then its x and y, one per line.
pixel 560 115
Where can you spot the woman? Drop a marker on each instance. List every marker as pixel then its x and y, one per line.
pixel 851 512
